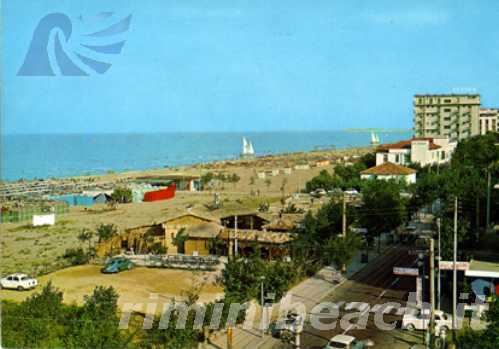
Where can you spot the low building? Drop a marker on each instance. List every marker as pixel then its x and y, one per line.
pixel 200 237
pixel 139 240
pixel 183 181
pixel 489 120
pixel 271 173
pixel 206 235
pixel 422 151
pixel 261 175
pixel 302 167
pixel 322 163
pixel 271 244
pixel 388 170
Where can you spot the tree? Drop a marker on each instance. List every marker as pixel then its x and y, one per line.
pixel 324 180
pixel 206 180
pixel 484 339
pixel 43 321
pixel 76 256
pixel 122 195
pixel 86 235
pixel 268 182
pixel 234 179
pixel 106 231
pixel 383 208
pixel 340 250
pixel 35 323
pixel 180 239
pixel 98 322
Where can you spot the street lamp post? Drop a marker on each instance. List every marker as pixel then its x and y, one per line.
pixel 439 259
pixel 262 278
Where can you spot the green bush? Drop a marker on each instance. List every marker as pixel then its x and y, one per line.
pixel 122 195
pixel 76 256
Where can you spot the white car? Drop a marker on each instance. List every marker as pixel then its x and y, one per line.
pixel 343 341
pixel 420 321
pixel 18 281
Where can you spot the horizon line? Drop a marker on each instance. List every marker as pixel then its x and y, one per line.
pixel 349 129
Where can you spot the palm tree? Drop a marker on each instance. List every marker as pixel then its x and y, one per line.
pixel 86 235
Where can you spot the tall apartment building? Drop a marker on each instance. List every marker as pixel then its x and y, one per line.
pixel 453 116
pixel 489 120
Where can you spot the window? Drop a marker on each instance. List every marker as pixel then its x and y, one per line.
pixel 10 278
pixel 447 110
pixel 447 100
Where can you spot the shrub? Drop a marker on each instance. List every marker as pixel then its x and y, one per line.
pixel 122 195
pixel 76 256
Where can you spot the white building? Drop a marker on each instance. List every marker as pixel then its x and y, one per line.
pixel 423 151
pixel 388 170
pixel 489 120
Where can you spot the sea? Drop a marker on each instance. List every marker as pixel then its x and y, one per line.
pixel 64 155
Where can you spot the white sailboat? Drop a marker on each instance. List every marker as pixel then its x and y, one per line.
pixel 248 150
pixel 374 139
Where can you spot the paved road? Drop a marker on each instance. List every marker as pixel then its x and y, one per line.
pixel 374 285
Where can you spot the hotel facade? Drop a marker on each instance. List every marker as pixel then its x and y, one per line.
pixel 489 120
pixel 451 116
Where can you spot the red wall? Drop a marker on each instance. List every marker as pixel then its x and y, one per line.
pixel 162 194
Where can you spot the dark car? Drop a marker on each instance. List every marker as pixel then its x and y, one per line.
pixel 117 265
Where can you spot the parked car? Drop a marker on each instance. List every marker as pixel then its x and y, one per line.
pixel 18 281
pixel 318 193
pixel 351 192
pixel 421 321
pixel 343 341
pixel 117 265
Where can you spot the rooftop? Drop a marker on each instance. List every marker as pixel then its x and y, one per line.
pixel 257 236
pixel 448 95
pixel 483 269
pixel 407 144
pixel 203 231
pixel 388 168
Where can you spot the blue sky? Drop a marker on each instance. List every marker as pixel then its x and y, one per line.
pixel 253 65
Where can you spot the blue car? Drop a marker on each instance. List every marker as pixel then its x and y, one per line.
pixel 117 265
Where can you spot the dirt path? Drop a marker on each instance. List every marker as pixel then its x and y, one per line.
pixel 135 286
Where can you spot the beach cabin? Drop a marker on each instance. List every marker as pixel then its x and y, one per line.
pixel 138 240
pixel 388 170
pixel 74 199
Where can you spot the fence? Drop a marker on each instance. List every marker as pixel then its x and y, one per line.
pixel 21 215
pixel 175 261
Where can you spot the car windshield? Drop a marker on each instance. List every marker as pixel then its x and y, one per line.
pixel 337 344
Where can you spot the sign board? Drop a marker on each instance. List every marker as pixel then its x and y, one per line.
pixel 417 252
pixel 46 219
pixel 406 271
pixel 449 265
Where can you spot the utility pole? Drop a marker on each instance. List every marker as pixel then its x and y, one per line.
pixel 454 272
pixel 439 259
pixel 489 180
pixel 263 325
pixel 432 291
pixel 236 248
pixel 344 227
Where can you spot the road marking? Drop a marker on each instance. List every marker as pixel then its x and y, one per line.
pixel 368 308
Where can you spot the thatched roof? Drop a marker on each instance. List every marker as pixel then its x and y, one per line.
pixel 203 231
pixel 257 236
